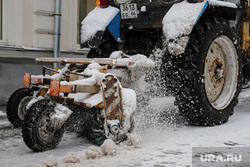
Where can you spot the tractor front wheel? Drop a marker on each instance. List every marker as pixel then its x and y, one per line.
pixel 38 131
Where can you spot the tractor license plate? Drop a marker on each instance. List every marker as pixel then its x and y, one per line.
pixel 129 11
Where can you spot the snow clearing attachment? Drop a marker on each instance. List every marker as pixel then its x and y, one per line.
pixel 35 87
pixel 108 108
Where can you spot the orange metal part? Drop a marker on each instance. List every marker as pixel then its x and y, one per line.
pixel 26 80
pixel 98 3
pixel 67 89
pixel 54 88
pixel 245 39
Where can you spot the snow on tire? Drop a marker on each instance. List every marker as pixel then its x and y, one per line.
pixel 208 75
pixel 38 132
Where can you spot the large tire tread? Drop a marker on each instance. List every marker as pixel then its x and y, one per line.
pixel 181 75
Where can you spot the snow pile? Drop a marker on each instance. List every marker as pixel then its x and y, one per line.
pixel 178 24
pixel 107 149
pixel 50 161
pixel 2 113
pixel 94 152
pixel 96 20
pixel 133 141
pixel 72 158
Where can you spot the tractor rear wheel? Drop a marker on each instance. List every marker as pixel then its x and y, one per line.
pixel 208 75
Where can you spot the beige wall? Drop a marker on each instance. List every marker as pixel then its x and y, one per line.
pixel 90 5
pixel 28 23
pixel 24 27
pixel 14 26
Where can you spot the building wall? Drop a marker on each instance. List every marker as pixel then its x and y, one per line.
pixel 29 26
pixel 28 33
pixel 11 74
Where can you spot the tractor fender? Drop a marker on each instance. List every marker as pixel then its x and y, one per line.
pixel 96 23
pixel 180 20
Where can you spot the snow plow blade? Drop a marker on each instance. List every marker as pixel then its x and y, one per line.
pixel 87 86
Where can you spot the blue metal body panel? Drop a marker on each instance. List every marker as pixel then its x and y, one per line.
pixel 114 26
pixel 202 11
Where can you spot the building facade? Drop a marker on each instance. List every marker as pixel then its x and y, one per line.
pixel 27 31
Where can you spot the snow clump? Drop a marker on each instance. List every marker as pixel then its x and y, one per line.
pixel 109 147
pixel 134 141
pixel 93 152
pixel 97 20
pixel 177 27
pixel 2 113
pixel 50 161
pixel 73 158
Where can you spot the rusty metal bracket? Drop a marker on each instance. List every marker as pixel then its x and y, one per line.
pixel 112 99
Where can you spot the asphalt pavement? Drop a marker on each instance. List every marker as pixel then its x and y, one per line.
pixel 6 128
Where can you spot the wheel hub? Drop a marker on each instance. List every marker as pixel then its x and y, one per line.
pixel 221 72
pixel 22 106
pixel 217 73
pixel 214 71
pixel 46 130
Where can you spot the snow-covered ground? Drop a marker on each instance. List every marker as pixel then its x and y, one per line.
pixel 165 142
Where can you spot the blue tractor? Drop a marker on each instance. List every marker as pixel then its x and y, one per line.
pixel 202 62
